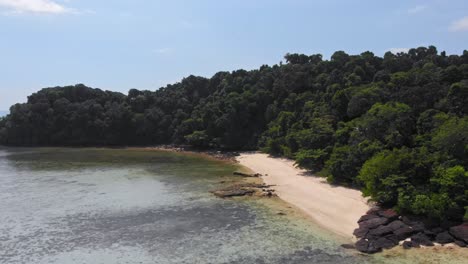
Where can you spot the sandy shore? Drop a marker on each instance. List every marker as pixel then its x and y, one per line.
pixel 335 208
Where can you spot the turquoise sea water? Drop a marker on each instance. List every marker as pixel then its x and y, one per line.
pixel 61 205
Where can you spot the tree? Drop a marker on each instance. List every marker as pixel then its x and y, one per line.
pixel 394 125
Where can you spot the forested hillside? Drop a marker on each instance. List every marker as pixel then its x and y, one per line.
pixel 396 126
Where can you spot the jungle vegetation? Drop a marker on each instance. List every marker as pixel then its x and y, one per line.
pixel 395 126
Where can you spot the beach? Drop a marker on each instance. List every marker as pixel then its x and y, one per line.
pixel 334 208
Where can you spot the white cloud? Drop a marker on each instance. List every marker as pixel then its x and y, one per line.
pixel 35 6
pixel 417 9
pixel 399 50
pixel 460 25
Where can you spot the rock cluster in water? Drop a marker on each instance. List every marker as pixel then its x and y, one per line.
pixel 248 175
pixel 245 189
pixel 383 229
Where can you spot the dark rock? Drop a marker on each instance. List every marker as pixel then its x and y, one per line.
pixel 373 211
pixel 238 173
pixel 385 243
pixel 393 238
pixel 367 246
pixel 444 238
pixel 389 213
pixel 430 223
pixel 373 248
pixel 418 227
pixel 437 230
pixel 397 224
pixel 460 232
pixel 360 232
pixel 409 244
pixel 404 232
pixel 348 246
pixel 232 193
pixel 430 234
pixel 281 213
pixel 367 217
pixel 422 239
pixel 373 223
pixel 460 243
pixel 381 230
pixel 362 245
pixel 406 220
pixel 447 224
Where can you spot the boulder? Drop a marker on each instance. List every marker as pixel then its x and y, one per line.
pixel 430 234
pixel 460 232
pixel 437 230
pixel 406 220
pixel 444 238
pixel 418 227
pixel 447 224
pixel 367 217
pixel 393 238
pixel 373 223
pixel 460 243
pixel 232 193
pixel 397 224
pixel 380 231
pixel 422 239
pixel 404 232
pixel 430 223
pixel 362 245
pixel 385 243
pixel 389 214
pixel 360 232
pixel 409 244
pixel 238 173
pixel 348 246
pixel 373 211
pixel 367 246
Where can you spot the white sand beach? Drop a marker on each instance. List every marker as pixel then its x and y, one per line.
pixel 335 208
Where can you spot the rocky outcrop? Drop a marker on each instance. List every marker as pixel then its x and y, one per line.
pixel 444 238
pixel 460 232
pixel 245 189
pixel 254 175
pixel 384 229
pixel 421 239
pixel 233 192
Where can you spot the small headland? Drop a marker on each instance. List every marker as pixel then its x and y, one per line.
pixel 384 229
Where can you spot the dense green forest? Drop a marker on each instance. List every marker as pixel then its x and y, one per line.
pixel 396 126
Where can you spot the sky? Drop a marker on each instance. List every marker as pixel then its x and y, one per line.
pixel 145 44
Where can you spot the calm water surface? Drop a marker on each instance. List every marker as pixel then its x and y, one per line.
pixel 137 206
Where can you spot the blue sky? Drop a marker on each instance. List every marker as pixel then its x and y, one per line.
pixel 123 44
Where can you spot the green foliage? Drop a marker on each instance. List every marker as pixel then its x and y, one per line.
pixel 434 205
pixel 345 161
pixel 382 175
pixel 451 137
pixel 312 158
pixel 198 139
pixel 395 126
pixel 391 124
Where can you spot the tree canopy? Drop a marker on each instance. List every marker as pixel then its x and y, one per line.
pixel 395 126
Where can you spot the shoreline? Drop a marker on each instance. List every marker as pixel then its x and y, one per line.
pixel 336 209
pixel 262 163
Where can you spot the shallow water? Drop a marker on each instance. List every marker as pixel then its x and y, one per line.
pixel 137 206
